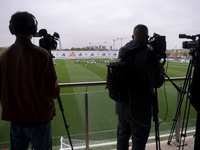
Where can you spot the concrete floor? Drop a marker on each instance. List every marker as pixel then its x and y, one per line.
pixel 189 141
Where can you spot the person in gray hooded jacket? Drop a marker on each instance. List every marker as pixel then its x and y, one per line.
pixel 134 115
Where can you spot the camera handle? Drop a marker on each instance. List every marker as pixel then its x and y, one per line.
pixel 155 118
pixel 178 89
pixel 66 126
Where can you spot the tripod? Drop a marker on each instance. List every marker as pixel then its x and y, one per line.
pixel 185 90
pixel 155 119
pixel 66 126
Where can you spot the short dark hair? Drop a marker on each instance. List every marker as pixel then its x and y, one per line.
pixel 140 31
pixel 23 23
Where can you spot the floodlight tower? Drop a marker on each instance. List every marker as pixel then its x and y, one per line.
pixel 122 39
pixel 114 43
pixel 105 44
pixel 90 44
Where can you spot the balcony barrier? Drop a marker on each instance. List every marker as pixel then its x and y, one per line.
pixel 103 83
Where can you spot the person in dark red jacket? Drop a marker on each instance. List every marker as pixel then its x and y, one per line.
pixel 28 87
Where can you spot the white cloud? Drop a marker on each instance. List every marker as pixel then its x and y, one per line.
pixel 82 21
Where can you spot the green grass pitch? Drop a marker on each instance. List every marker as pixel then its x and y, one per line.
pixel 102 117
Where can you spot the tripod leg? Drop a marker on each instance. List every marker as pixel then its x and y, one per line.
pixel 187 80
pixel 66 126
pixel 157 136
pixel 185 120
pixel 155 119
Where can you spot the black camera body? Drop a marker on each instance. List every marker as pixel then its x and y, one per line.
pixel 190 44
pixel 157 43
pixel 48 41
pixel 193 45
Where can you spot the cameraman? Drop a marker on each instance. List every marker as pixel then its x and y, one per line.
pixel 195 99
pixel 28 85
pixel 134 115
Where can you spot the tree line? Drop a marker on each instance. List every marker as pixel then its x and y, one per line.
pixel 83 49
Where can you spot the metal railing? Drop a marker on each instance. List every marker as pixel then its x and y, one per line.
pixel 101 83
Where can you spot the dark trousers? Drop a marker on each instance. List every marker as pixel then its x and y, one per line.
pixel 139 133
pixel 197 137
pixel 40 137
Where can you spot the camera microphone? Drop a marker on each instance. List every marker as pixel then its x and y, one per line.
pixel 182 36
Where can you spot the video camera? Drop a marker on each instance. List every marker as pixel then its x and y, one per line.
pixel 48 41
pixel 193 45
pixel 157 43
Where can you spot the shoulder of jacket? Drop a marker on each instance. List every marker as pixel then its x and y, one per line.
pixel 40 49
pixel 145 51
pixel 40 52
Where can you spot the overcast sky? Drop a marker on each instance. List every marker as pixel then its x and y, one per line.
pixel 99 22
